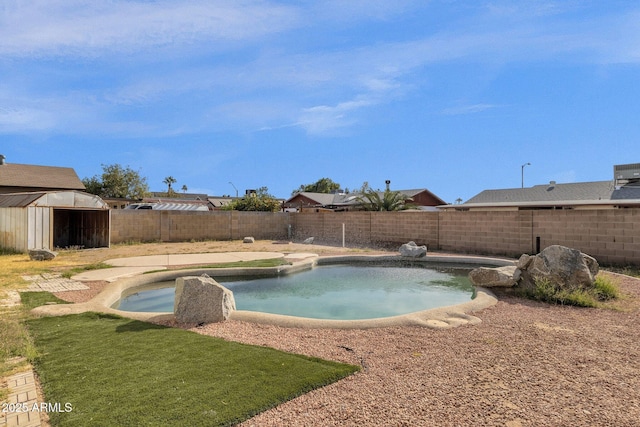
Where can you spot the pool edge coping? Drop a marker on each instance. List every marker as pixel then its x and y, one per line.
pixel 436 318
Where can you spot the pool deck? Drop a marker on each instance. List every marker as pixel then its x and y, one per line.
pixel 128 272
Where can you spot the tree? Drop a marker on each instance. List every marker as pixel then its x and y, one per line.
pixel 169 181
pixel 323 185
pixel 388 201
pixel 117 182
pixel 261 200
pixel 184 188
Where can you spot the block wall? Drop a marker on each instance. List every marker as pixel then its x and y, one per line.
pixel 494 233
pixel 180 226
pixel 611 236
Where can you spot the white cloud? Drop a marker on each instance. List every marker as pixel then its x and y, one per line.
pixel 25 120
pixel 467 109
pixel 89 27
pixel 322 119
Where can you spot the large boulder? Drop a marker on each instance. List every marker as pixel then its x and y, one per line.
pixel 499 277
pixel 42 254
pixel 202 300
pixel 412 250
pixel 564 267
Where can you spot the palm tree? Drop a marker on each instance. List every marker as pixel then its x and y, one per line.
pixel 184 188
pixel 169 180
pixel 389 201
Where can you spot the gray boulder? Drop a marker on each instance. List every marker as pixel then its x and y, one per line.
pixel 308 241
pixel 248 240
pixel 499 277
pixel 565 267
pixel 412 250
pixel 42 254
pixel 202 300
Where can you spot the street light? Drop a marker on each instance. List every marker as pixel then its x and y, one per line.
pixel 522 172
pixel 234 187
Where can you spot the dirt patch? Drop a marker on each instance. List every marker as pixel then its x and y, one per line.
pixel 90 256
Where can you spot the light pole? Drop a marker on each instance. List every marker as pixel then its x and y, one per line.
pixel 522 172
pixel 234 187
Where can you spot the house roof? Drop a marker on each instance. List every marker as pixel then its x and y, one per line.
pixel 553 194
pixel 17 175
pixel 342 199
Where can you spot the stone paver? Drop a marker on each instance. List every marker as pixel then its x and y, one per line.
pixel 11 299
pixel 53 282
pixel 22 400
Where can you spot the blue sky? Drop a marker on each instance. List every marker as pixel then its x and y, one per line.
pixel 453 96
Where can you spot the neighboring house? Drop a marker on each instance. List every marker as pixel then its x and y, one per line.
pixel 422 199
pixel 189 198
pixel 621 192
pixel 178 195
pixel 218 202
pixel 172 204
pixel 119 202
pixel 16 178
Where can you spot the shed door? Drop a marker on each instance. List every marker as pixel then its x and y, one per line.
pixel 80 228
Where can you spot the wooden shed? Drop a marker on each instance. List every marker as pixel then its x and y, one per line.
pixel 53 219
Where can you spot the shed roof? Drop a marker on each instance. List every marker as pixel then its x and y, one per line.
pixel 55 199
pixel 54 177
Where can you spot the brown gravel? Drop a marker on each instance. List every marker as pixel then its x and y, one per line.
pixel 85 295
pixel 526 364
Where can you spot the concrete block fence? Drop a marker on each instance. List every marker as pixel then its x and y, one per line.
pixel 611 236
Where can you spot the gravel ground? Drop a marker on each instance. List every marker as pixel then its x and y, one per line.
pixel 526 364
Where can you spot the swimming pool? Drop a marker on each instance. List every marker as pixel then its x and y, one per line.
pixel 334 292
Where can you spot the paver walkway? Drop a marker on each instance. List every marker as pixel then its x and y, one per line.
pixel 22 407
pixel 52 282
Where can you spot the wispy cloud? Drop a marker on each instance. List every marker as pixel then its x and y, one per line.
pixel 322 119
pixel 92 27
pixel 467 109
pixel 25 120
pixel 266 80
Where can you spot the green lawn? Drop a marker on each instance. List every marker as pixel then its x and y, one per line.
pixel 117 371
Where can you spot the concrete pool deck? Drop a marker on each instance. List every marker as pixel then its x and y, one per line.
pixel 127 273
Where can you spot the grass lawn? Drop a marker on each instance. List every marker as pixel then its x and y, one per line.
pixel 117 371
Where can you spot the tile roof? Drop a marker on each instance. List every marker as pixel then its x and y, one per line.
pixel 16 175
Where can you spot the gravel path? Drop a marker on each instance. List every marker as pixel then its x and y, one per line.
pixel 526 364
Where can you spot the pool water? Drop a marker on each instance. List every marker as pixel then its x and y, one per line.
pixel 341 292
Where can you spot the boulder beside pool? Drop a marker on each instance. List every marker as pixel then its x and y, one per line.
pixel 494 277
pixel 564 267
pixel 412 250
pixel 200 299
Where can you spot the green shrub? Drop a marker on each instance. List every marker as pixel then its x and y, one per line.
pixel 546 291
pixel 605 289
